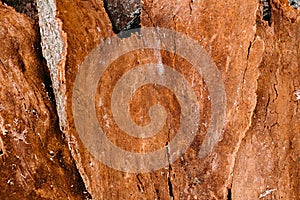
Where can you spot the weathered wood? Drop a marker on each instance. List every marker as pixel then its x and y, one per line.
pixel 255 48
pixel 35 161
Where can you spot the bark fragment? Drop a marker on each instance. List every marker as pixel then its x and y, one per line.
pixel 35 161
pixel 269 155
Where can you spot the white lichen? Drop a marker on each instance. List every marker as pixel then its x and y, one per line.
pixel 267 192
pixel 4 131
pixel 297 94
pixel 19 136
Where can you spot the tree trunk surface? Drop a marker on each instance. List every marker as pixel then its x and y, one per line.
pixel 246 143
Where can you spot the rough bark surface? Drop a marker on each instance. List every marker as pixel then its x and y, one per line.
pixel 269 155
pixel 255 46
pixel 227 42
pixel 35 161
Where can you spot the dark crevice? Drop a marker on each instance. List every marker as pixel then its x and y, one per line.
pixel 27 7
pixel 248 51
pixel 170 186
pixel 266 112
pixel 276 92
pixel 66 163
pixel 266 11
pixel 295 3
pixel 157 193
pixel 80 187
pixel 123 14
pixel 190 5
pixel 21 64
pixel 45 70
pixel 229 194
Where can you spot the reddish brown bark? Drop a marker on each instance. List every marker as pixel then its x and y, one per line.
pixel 35 160
pixel 257 54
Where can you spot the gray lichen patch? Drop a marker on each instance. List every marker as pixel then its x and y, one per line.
pixel 54 50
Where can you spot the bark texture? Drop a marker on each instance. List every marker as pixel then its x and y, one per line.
pixel 35 160
pixel 255 46
pixel 269 153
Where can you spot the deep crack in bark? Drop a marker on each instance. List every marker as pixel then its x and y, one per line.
pixel 170 186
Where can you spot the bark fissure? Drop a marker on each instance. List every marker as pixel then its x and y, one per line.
pixel 149 16
pixel 191 6
pixel 266 11
pixel 169 177
pixel 229 195
pixel 140 183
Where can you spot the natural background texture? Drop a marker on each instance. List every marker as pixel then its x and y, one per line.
pixel 256 47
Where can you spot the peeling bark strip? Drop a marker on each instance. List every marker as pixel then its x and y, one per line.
pixel 123 14
pixel 54 47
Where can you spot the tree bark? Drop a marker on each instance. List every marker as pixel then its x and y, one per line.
pixel 255 48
